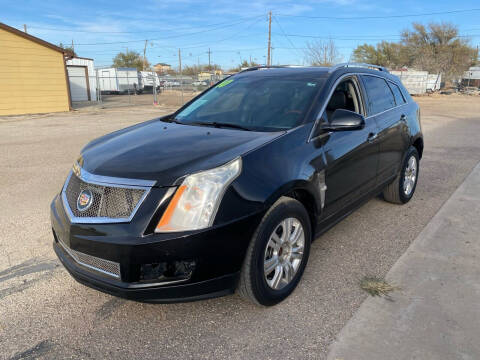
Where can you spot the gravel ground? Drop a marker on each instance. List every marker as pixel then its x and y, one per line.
pixel 44 313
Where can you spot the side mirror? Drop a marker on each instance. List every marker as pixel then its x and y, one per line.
pixel 344 120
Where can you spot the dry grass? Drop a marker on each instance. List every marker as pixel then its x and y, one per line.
pixel 377 287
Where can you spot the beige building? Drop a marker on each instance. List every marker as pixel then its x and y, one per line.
pixel 33 75
pixel 204 76
pixel 162 68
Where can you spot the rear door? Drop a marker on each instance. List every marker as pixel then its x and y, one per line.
pixel 391 121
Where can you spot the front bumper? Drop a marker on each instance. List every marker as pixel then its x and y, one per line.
pixel 217 255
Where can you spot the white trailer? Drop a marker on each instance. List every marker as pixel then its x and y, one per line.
pixel 148 80
pixel 118 80
pixel 82 79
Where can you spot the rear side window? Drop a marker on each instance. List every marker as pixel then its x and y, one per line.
pixel 399 99
pixel 380 97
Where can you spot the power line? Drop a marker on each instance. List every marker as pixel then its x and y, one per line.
pixel 236 36
pixel 284 34
pixel 168 37
pixel 379 17
pixel 337 38
pixel 138 32
pixel 362 38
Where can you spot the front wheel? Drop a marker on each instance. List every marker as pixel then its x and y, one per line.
pixel 401 190
pixel 277 254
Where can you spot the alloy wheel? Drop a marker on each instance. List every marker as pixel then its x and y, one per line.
pixel 410 176
pixel 284 253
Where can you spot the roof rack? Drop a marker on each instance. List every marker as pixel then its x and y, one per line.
pixel 359 65
pixel 270 67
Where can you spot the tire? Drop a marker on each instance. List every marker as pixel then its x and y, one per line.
pixel 396 192
pixel 271 288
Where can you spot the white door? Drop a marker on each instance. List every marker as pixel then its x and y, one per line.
pixel 78 83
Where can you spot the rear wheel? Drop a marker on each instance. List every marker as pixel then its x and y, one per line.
pixel 277 254
pixel 401 190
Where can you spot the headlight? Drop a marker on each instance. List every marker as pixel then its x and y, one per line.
pixel 196 200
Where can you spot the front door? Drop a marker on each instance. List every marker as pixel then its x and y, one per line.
pixel 351 157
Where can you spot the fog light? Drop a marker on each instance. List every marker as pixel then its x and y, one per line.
pixel 167 271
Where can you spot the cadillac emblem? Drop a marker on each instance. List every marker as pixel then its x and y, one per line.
pixel 84 200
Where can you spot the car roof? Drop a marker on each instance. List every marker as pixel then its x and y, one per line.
pixel 316 71
pixel 285 71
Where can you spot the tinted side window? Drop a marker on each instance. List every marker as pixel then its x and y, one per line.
pixel 399 99
pixel 380 97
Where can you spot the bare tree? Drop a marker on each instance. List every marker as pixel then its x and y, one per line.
pixel 438 48
pixel 322 53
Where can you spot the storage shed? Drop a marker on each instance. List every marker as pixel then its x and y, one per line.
pixel 33 76
pixel 82 79
pixel 471 77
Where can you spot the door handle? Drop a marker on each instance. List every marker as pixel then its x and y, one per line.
pixel 403 117
pixel 372 137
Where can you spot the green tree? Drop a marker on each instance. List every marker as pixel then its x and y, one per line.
pixel 130 59
pixel 244 64
pixel 68 49
pixel 388 54
pixel 367 54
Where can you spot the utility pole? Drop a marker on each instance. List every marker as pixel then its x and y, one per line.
pixel 25 27
pixel 269 37
pixel 73 47
pixel 209 52
pixel 180 70
pixel 179 62
pixel 144 55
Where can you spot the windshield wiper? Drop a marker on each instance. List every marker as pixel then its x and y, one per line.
pixel 172 120
pixel 220 124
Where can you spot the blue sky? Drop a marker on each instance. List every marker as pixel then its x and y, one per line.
pixel 232 30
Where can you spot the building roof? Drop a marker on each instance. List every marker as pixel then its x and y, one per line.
pixel 161 64
pixel 82 58
pixel 31 38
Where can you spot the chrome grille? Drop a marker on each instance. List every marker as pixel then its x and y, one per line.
pixel 109 202
pixel 107 267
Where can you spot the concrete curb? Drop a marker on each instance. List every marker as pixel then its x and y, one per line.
pixel 436 314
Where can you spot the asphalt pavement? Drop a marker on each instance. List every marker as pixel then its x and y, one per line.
pixel 45 314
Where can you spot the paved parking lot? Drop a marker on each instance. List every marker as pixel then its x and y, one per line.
pixel 44 313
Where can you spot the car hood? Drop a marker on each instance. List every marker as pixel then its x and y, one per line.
pixel 164 152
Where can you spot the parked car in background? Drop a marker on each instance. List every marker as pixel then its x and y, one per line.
pixel 228 192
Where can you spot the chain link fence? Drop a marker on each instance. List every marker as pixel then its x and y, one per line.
pixel 117 87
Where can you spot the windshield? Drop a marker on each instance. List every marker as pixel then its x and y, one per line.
pixel 253 103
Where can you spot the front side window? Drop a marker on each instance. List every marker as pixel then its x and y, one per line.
pixel 380 97
pixel 253 102
pixel 345 96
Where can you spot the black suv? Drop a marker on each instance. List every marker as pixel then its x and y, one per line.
pixel 229 191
